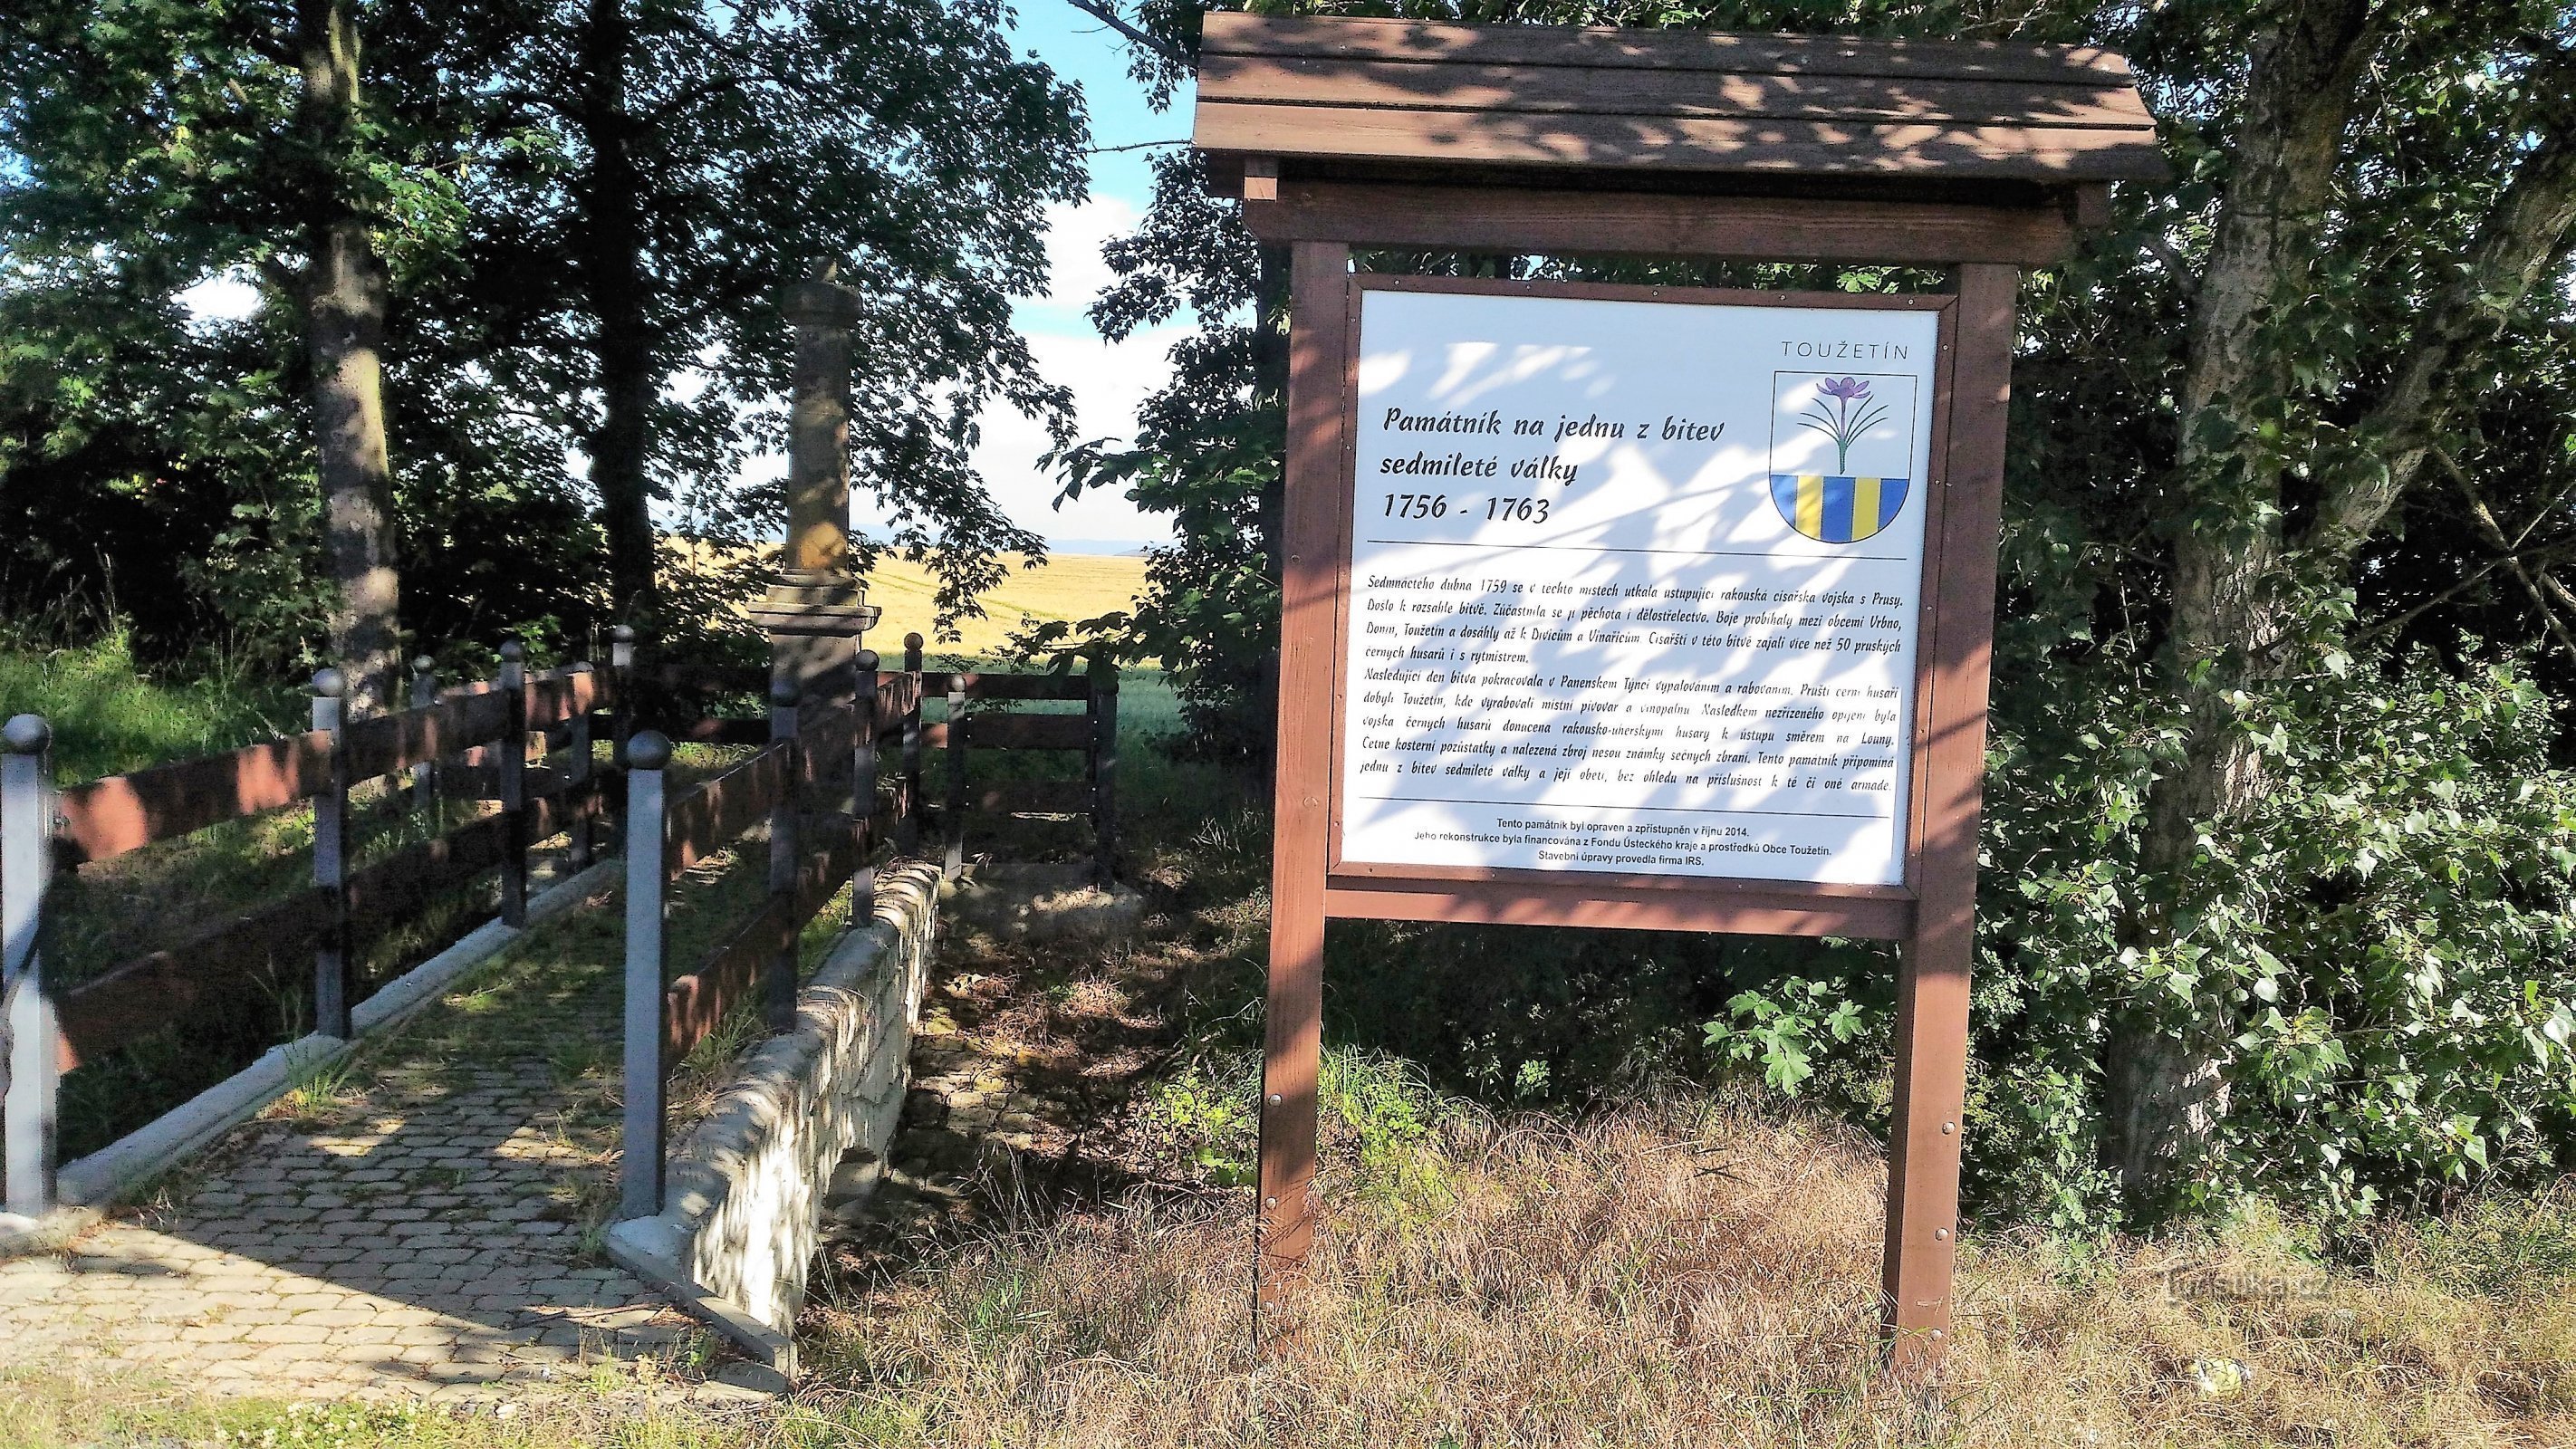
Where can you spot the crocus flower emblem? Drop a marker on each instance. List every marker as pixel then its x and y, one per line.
pixel 1852 413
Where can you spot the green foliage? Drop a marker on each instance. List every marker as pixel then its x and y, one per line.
pixel 1379 1112
pixel 2391 932
pixel 1782 1027
pixel 110 714
pixel 164 463
pixel 2498 1246
pixel 1207 451
pixel 2381 940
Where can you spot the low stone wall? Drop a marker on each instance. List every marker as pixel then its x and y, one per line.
pixel 743 1196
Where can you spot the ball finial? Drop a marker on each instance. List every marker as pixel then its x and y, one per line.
pixel 649 750
pixel 513 650
pixel 867 659
pixel 27 734
pixel 422 664
pixel 622 634
pixel 330 683
pixel 784 690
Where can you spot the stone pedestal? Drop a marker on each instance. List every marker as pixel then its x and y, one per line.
pixel 814 620
pixel 816 611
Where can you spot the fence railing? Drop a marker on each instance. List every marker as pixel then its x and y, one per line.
pixel 813 778
pixel 811 783
pixel 469 741
pixel 969 731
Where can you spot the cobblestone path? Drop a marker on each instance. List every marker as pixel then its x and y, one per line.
pixel 424 1229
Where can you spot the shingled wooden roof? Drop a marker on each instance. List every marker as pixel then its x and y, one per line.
pixel 1378 96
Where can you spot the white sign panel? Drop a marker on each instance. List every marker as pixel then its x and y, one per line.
pixel 1634 586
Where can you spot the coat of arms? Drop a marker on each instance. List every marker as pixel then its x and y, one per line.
pixel 1848 417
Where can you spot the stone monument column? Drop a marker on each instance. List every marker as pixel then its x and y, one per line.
pixel 817 609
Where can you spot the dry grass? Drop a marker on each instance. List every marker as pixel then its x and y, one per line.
pixel 1667 1276
pixel 1070 587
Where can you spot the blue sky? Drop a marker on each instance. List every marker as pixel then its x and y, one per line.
pixel 1107 381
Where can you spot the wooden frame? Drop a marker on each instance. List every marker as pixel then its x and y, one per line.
pixel 1974 158
pixel 1933 913
pixel 1372 890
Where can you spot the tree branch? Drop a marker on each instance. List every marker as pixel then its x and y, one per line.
pixel 2512 252
pixel 1111 18
pixel 2484 520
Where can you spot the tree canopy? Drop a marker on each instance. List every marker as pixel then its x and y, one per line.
pixel 583 216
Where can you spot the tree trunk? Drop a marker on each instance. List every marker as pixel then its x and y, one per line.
pixel 344 294
pixel 611 250
pixel 2165 1073
pixel 2165 1087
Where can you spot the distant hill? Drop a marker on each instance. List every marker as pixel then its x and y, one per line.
pixel 1097 547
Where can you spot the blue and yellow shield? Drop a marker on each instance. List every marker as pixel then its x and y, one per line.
pixel 1831 509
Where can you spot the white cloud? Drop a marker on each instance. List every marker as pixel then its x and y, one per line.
pixel 1075 271
pixel 224 297
pixel 1110 382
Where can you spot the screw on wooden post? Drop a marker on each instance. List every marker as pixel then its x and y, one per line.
pixel 908 825
pixel 956 865
pixel 29 1114
pixel 510 754
pixel 424 693
pixel 778 986
pixel 863 794
pixel 333 978
pixel 1104 765
pixel 639 1172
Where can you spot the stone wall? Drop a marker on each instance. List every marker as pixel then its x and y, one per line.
pixel 743 1195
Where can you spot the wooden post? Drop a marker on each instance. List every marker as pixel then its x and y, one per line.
pixel 639 1171
pixel 1292 1049
pixel 621 691
pixel 28 1115
pixel 863 795
pixel 333 978
pixel 778 984
pixel 1932 976
pixel 908 827
pixel 956 773
pixel 621 711
pixel 510 757
pixel 577 772
pixel 424 693
pixel 1104 766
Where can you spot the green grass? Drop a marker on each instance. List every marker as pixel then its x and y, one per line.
pixel 112 714
pixel 39 1413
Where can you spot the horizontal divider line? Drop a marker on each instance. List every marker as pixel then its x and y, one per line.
pixel 1668 809
pixel 1604 548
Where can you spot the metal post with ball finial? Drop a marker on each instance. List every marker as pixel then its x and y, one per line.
pixel 35 1071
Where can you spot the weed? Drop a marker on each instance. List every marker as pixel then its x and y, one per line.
pixel 322 1091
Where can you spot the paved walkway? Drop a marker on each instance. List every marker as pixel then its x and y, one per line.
pixel 427 1229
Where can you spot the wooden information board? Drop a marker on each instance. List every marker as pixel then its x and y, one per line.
pixel 1632 584
pixel 1647 607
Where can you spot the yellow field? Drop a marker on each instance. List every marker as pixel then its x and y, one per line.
pixel 1071 587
